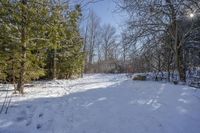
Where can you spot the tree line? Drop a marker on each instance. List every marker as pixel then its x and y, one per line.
pixel 42 39
pixel 39 39
pixel 157 36
pixel 101 45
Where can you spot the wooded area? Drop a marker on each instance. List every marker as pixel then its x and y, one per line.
pixel 39 39
pixel 45 39
pixel 158 36
pixel 166 33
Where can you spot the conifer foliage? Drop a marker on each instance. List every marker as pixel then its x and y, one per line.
pixel 39 39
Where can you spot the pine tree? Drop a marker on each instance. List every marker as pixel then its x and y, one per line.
pixel 55 35
pixel 65 43
pixel 23 38
pixel 72 56
pixel 36 35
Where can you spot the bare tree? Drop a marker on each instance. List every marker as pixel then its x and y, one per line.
pixel 151 20
pixel 91 36
pixel 109 48
pixel 109 40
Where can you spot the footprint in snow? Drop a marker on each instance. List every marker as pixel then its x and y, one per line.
pixel 41 114
pixel 38 126
pixel 20 118
pixel 28 123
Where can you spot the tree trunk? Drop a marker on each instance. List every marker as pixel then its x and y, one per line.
pixel 54 64
pixel 85 51
pixel 13 76
pixel 180 64
pixel 168 69
pixel 20 84
pixel 179 57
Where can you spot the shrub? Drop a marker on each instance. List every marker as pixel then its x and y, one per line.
pixel 139 77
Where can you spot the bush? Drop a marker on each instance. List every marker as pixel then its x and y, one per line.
pixel 139 77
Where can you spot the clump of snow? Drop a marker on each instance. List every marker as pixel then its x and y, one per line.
pixel 103 103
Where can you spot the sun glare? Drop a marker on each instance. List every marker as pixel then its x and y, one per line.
pixel 191 15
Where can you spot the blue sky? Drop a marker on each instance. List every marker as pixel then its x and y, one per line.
pixel 106 10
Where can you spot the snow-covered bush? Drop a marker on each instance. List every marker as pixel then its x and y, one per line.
pixel 192 76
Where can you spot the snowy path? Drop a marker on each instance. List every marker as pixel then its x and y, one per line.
pixel 104 104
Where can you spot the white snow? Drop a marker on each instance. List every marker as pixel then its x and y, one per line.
pixel 103 103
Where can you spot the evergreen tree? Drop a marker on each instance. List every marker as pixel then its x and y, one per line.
pixel 23 38
pixel 38 39
pixel 65 43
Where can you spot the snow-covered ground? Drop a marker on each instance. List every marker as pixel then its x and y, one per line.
pixel 103 103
